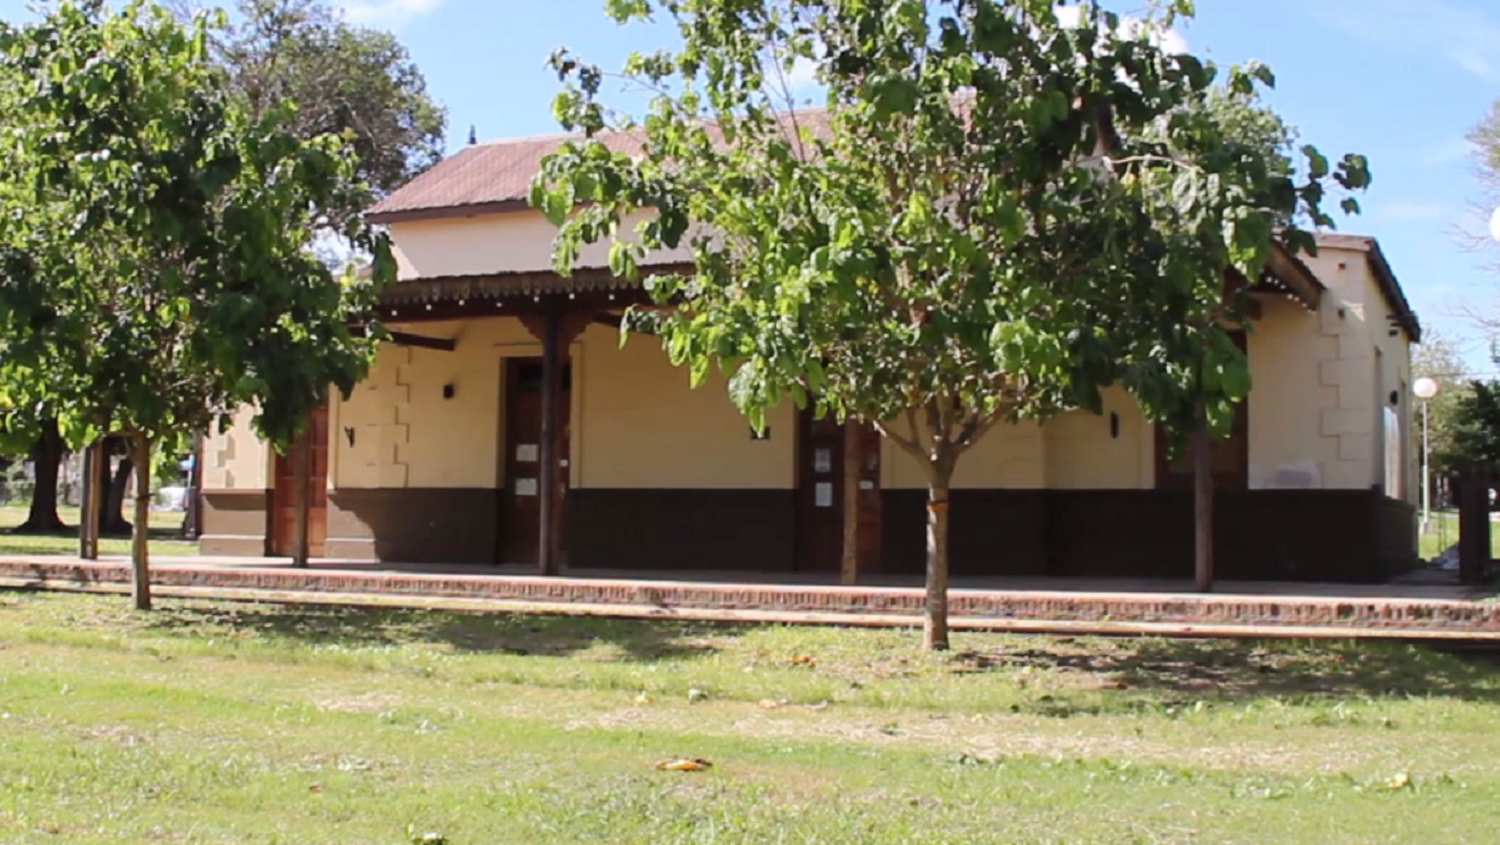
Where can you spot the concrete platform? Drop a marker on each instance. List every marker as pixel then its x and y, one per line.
pixel 1240 609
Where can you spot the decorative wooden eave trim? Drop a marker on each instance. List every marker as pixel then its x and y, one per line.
pixel 1291 275
pixel 499 286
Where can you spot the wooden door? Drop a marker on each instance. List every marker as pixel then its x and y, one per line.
pixel 284 496
pixel 520 504
pixel 820 493
pixel 1229 458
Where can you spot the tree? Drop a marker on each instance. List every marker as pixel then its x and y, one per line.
pixel 1474 434
pixel 1216 189
pixel 155 262
pixel 1437 357
pixel 343 79
pixel 40 438
pixel 952 242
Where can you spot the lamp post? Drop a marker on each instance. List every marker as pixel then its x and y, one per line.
pixel 1425 389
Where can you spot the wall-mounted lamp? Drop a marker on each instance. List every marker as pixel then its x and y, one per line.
pixel 1395 397
pixel 349 435
pixel 449 390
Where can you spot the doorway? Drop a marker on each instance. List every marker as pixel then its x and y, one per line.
pixel 821 451
pixel 520 503
pixel 284 492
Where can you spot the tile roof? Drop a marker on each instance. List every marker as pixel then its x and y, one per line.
pixel 496 175
pixel 492 176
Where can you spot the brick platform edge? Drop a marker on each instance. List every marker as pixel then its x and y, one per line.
pixel 1072 612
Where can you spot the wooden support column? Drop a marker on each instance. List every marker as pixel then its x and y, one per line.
pixel 547 560
pixel 95 478
pixel 1473 528
pixel 1203 504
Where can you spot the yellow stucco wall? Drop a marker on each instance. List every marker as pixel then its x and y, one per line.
pixel 1084 454
pixel 641 425
pixel 510 242
pixel 1008 456
pixel 1358 364
pixel 237 459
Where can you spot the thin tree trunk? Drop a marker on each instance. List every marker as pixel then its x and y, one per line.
pixel 935 624
pixel 46 457
pixel 849 567
pixel 140 560
pixel 1203 504
pixel 300 497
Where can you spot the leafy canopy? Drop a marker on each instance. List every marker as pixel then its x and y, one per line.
pixel 155 270
pixel 992 214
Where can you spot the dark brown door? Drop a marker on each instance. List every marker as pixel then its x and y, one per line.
pixel 284 496
pixel 820 493
pixel 1229 458
pixel 520 503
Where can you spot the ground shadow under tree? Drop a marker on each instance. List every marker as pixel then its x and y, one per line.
pixel 556 636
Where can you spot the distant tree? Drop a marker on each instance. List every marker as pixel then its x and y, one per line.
pixel 343 80
pixel 1437 357
pixel 980 228
pixel 156 270
pixel 1474 434
pixel 38 439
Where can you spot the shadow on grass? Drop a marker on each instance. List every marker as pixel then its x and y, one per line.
pixel 1187 671
pixel 551 636
pixel 65 541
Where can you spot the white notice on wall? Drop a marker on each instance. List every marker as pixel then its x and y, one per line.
pixel 823 494
pixel 528 453
pixel 525 486
pixel 823 460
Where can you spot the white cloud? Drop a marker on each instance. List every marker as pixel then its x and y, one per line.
pixel 386 13
pixel 1410 212
pixel 1456 31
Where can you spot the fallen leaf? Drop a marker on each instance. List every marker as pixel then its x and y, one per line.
pixel 803 660
pixel 683 764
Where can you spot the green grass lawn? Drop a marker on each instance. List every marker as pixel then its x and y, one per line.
pixel 219 723
pixel 165 536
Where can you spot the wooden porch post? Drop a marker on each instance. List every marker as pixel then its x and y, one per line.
pixel 1203 504
pixel 95 471
pixel 551 382
pixel 853 457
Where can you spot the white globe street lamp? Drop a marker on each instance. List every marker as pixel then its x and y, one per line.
pixel 1426 388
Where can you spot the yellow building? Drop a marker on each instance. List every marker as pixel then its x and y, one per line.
pixel 438 455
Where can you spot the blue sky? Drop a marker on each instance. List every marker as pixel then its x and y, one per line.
pixel 1401 81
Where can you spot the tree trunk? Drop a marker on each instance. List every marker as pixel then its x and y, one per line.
pixel 935 624
pixel 849 565
pixel 140 561
pixel 113 520
pixel 303 472
pixel 1203 504
pixel 46 457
